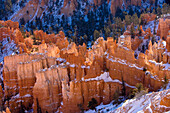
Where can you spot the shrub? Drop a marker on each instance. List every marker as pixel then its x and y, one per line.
pixel 92 104
pixel 139 91
pixel 165 82
pixel 81 107
pixel 144 69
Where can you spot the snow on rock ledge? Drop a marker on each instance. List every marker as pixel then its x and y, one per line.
pixel 106 77
pixel 153 102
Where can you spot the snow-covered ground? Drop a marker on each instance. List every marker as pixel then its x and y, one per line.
pixel 165 66
pixel 104 108
pixel 106 77
pixel 9 47
pixel 144 103
pixel 135 105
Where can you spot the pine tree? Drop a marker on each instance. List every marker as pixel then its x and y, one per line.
pixel 165 82
pixel 128 19
pixel 107 32
pixel 148 10
pixel 153 40
pixel 131 12
pixel 116 96
pixel 139 87
pixel 140 32
pixel 81 40
pixel 132 31
pixel 38 106
pixel 96 34
pixel 159 12
pixel 92 104
pixel 153 11
pixel 164 8
pixel 8 5
pixel 154 29
pixel 135 19
pixel 123 88
pixel 85 38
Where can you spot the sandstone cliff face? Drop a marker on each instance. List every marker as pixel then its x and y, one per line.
pixel 158 52
pixel 135 43
pixel 49 85
pixel 12 34
pixel 62 73
pixel 10 24
pixel 7 111
pixel 83 92
pixel 1 98
pixel 60 40
pixel 163 28
pixel 12 79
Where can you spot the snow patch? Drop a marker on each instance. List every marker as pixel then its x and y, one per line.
pixel 106 77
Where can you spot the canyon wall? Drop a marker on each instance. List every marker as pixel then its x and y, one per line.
pixel 64 77
pixel 163 28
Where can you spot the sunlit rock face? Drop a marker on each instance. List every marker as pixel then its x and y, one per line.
pixel 63 77
pixel 168 42
pixel 163 28
pixel 11 30
pixel 53 83
pixel 6 111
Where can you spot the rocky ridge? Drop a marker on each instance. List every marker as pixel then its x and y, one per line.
pixel 66 7
pixel 153 102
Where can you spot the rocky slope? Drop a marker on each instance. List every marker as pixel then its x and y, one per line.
pixel 37 8
pixel 153 102
pixel 147 103
pixel 58 76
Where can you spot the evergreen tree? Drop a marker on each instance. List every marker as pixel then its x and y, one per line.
pixel 119 13
pixel 135 19
pixel 85 39
pixel 92 104
pixel 81 40
pixel 148 10
pixel 107 32
pixel 153 40
pixel 131 12
pixel 140 32
pixel 128 19
pixel 114 31
pixel 123 88
pixel 154 29
pixel 159 12
pixel 139 87
pixel 164 8
pixel 8 5
pixel 38 106
pixel 165 82
pixel 132 31
pixel 96 34
pixel 116 96
pixel 153 11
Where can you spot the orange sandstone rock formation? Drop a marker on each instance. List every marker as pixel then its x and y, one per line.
pixel 64 77
pixel 163 28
